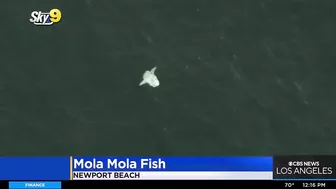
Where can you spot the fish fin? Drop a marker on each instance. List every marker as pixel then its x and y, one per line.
pixel 142 82
pixel 153 70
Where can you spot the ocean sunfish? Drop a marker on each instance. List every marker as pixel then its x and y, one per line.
pixel 150 78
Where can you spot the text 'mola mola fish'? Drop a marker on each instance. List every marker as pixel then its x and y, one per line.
pixel 150 78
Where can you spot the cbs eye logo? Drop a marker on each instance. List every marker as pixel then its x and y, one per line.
pixel 40 18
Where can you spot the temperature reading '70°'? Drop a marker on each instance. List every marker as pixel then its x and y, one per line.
pixel 289 184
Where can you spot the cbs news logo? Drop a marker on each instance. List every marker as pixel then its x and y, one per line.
pixel 40 18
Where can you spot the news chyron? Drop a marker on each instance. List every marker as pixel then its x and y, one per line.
pixel 304 168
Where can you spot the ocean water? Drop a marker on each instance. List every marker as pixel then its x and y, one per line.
pixel 237 78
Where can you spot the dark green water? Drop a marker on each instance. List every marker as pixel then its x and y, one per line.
pixel 238 77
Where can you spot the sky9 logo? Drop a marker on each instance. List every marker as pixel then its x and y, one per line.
pixel 40 18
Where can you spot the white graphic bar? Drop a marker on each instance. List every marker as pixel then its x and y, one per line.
pixel 169 175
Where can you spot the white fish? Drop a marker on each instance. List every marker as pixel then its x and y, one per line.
pixel 150 78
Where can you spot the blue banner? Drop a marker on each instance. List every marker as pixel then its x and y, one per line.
pixel 34 168
pixel 172 163
pixel 59 168
pixel 23 185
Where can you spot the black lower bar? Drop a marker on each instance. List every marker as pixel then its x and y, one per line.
pixel 207 184
pixel 226 183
